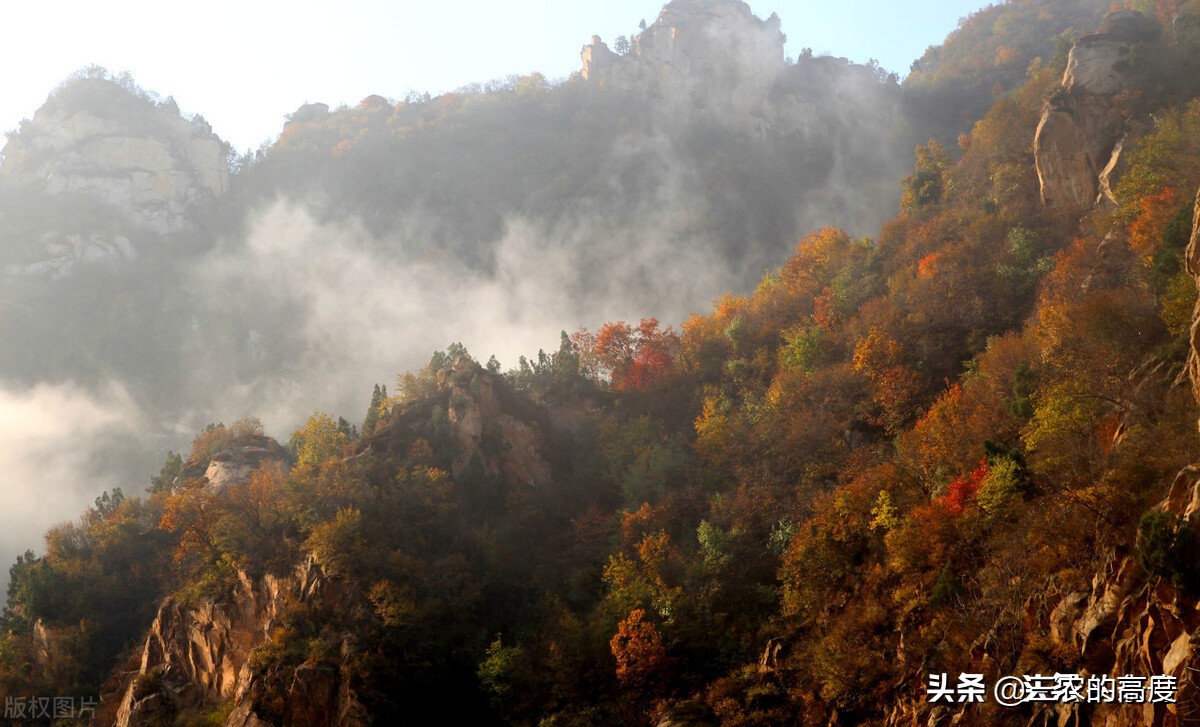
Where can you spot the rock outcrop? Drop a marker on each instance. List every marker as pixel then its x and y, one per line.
pixel 61 253
pixel 199 654
pixel 97 138
pixel 711 54
pixel 234 465
pixel 491 438
pixel 1089 121
pixel 1192 260
pixel 598 61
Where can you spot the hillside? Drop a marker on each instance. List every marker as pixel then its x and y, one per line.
pixel 955 438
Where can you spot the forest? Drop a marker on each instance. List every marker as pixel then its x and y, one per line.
pixel 959 436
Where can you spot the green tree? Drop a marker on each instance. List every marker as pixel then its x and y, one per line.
pixel 378 401
pixel 170 474
pixel 927 183
pixel 319 439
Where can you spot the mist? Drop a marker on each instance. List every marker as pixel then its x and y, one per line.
pixel 366 238
pixel 60 447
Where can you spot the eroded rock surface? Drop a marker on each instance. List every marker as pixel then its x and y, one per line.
pixel 489 436
pixel 199 654
pixel 1089 121
pixel 97 139
pixel 713 52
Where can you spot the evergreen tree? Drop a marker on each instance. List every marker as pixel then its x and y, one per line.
pixel 378 397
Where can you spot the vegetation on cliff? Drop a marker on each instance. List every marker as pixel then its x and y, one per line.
pixel 896 456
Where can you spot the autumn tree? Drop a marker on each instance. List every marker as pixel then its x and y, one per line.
pixel 629 357
pixel 638 650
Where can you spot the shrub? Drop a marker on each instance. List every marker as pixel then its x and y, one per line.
pixel 1166 547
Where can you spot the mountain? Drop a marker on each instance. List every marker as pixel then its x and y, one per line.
pixel 952 450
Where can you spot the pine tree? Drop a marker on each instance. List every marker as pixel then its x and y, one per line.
pixel 378 397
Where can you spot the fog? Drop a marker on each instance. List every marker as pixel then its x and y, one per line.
pixel 60 446
pixel 362 242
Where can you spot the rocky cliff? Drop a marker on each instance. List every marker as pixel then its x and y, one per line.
pixel 488 435
pixel 114 145
pixel 234 465
pixel 699 53
pixel 1092 117
pixel 200 654
pixel 220 654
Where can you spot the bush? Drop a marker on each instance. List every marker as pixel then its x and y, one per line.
pixel 1167 547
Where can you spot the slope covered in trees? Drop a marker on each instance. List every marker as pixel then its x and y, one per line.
pixel 920 451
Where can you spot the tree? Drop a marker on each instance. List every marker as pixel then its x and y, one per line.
pixel 378 397
pixel 170 475
pixel 108 503
pixel 631 358
pixel 927 183
pixel 319 439
pixel 638 649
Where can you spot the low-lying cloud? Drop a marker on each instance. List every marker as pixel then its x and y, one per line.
pixel 60 447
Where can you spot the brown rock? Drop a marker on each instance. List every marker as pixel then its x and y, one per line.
pixel 199 654
pixel 1084 127
pixel 502 444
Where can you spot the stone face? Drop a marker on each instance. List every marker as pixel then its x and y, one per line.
pixel 1086 124
pixel 1192 258
pixel 199 654
pixel 502 444
pixel 234 466
pixel 697 51
pixel 598 61
pixel 98 139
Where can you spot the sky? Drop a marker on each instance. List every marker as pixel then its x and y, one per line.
pixel 245 65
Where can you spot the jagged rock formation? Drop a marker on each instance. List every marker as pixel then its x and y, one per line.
pixel 489 437
pixel 234 465
pixel 1192 260
pixel 1090 120
pixel 598 61
pixel 707 53
pixel 96 138
pixel 199 654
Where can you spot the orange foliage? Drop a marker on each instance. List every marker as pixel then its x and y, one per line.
pixel 1145 232
pixel 638 649
pixel 876 353
pixel 1006 56
pixel 877 356
pixel 191 512
pixel 636 525
pixel 948 436
pixel 963 490
pixel 632 358
pixel 927 267
pixel 816 256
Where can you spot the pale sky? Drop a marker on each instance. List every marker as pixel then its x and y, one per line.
pixel 245 65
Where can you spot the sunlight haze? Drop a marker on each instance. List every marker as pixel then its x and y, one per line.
pixel 244 66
